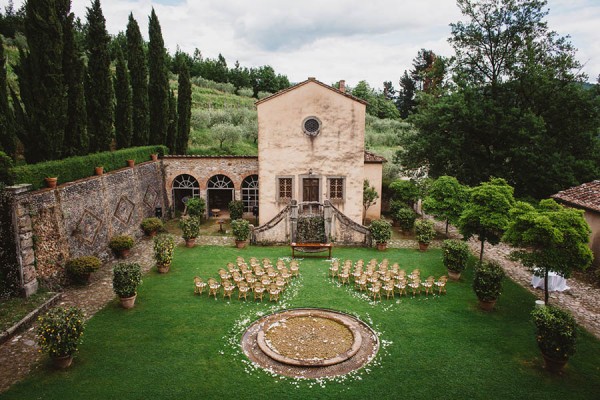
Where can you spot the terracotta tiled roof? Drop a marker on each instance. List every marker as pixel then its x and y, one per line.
pixel 306 82
pixel 373 158
pixel 584 196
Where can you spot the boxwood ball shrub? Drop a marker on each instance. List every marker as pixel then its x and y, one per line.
pixel 121 242
pixel 151 225
pixel 556 332
pixel 455 254
pixel 381 231
pixel 126 278
pixel 424 230
pixel 487 282
pixel 236 209
pixel 59 331
pixel 80 268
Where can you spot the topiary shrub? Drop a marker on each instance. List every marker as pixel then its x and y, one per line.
pixel 381 231
pixel 424 231
pixel 405 218
pixel 80 268
pixel 196 207
pixel 487 282
pixel 240 229
pixel 455 254
pixel 556 332
pixel 236 209
pixel 151 225
pixel 121 242
pixel 126 278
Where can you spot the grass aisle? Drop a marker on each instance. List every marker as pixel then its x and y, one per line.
pixel 174 345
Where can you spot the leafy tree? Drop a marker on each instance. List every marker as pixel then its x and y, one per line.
pixel 12 22
pixel 158 83
pixel 7 128
pixel 184 110
pixel 138 73
pixel 41 83
pixel 226 132
pixel 405 191
pixel 486 214
pixel 171 142
pixel 370 196
pixel 76 141
pixel 446 199
pixel 99 83
pixel 123 107
pixel 555 238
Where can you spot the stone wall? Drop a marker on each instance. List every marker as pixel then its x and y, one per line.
pixel 79 218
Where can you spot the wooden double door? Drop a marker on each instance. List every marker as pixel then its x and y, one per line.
pixel 310 189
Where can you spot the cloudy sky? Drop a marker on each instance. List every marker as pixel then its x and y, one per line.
pixel 374 40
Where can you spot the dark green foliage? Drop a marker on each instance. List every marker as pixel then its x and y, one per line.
pixel 138 73
pixel 123 123
pixel 456 254
pixel 78 269
pixel 171 141
pixel 556 238
pixel 424 231
pixel 7 128
pixel 76 141
pixel 158 83
pixel 381 231
pixel 184 110
pixel 41 83
pixel 236 209
pixel 12 22
pixel 311 229
pixel 6 163
pixel 406 96
pixel 446 199
pixel 126 278
pixel 98 86
pixel 151 225
pixel 556 332
pixel 196 207
pixel 190 227
pixel 405 191
pixel 73 168
pixel 379 105
pixel 486 214
pixel 121 242
pixel 487 282
pixel 405 217
pixel 9 265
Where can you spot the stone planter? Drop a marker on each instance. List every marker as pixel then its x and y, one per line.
pixel 453 275
pixel 128 302
pixel 553 365
pixel 51 182
pixel 62 362
pixel 487 305
pixel 190 242
pixel 381 246
pixel 163 269
pixel 99 170
pixel 240 244
pixel 130 163
pixel 423 246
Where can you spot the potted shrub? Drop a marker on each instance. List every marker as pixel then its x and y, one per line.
pixel 405 218
pixel 455 257
pixel 241 231
pixel 424 232
pixel 121 244
pixel 151 226
pixel 196 207
pixel 164 245
pixel 236 209
pixel 556 335
pixel 130 163
pixel 190 226
pixel 59 333
pixel 381 231
pixel 51 182
pixel 487 284
pixel 99 170
pixel 126 278
pixel 80 269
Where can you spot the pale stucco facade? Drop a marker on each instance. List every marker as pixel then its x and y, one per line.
pixel 310 161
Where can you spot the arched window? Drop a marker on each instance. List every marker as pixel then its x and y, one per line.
pixel 184 187
pixel 220 182
pixel 220 192
pixel 250 192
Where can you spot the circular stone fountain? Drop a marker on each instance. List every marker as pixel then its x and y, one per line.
pixel 310 343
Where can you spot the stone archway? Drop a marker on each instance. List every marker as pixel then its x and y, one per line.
pixel 184 186
pixel 220 191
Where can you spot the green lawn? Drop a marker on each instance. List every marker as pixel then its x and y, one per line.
pixel 174 345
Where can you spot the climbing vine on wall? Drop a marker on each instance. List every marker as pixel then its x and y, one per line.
pixel 311 229
pixel 9 269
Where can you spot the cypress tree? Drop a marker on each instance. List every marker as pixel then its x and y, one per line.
pixel 123 103
pixel 184 109
pixel 41 83
pixel 138 73
pixel 158 83
pixel 171 142
pixel 7 128
pixel 98 81
pixel 76 140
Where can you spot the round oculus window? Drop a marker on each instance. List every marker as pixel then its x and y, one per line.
pixel 311 126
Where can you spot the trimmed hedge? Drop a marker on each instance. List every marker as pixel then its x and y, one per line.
pixel 74 168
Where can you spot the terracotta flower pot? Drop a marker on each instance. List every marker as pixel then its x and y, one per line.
pixel 190 242
pixel 381 246
pixel 553 365
pixel 99 170
pixel 62 362
pixel 154 157
pixel 487 305
pixel 130 163
pixel 123 253
pixel 51 182
pixel 240 244
pixel 163 269
pixel 423 246
pixel 453 275
pixel 128 302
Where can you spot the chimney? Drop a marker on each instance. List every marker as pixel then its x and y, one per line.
pixel 342 85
